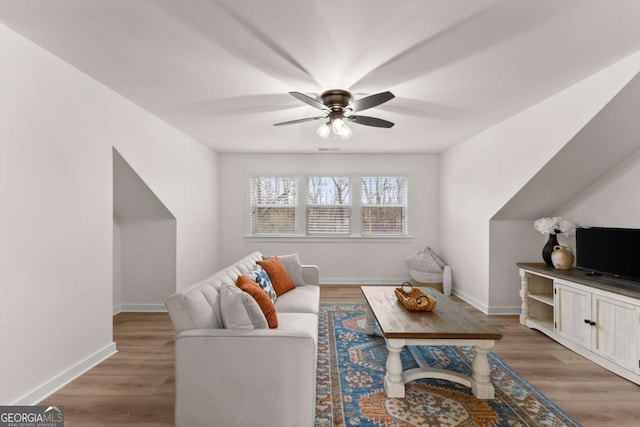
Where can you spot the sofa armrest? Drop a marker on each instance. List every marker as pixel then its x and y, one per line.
pixel 227 377
pixel 311 274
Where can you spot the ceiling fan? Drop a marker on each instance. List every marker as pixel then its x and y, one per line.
pixel 338 105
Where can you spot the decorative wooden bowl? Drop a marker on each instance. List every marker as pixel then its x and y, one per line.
pixel 414 299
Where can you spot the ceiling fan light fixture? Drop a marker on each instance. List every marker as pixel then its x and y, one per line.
pixel 345 132
pixel 323 131
pixel 340 129
pixel 337 125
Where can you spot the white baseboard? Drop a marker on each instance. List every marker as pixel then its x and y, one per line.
pixel 46 389
pixel 504 310
pixel 139 308
pixel 470 300
pixel 491 311
pixel 350 281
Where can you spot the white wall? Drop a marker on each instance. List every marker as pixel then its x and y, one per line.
pixel 182 174
pixel 606 203
pixel 352 261
pixel 483 173
pixel 145 262
pixel 613 201
pixel 117 266
pixel 148 263
pixel 585 159
pixel 510 242
pixel 55 223
pixel 56 215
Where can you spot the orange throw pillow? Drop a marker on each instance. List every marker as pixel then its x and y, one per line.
pixel 280 279
pixel 261 297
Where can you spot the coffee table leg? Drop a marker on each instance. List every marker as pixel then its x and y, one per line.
pixel 370 328
pixel 481 386
pixel 393 384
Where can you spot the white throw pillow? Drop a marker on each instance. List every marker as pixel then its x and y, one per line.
pixel 424 261
pixel 239 309
pixel 261 277
pixel 292 264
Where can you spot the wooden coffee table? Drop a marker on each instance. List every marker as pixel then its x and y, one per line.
pixel 447 324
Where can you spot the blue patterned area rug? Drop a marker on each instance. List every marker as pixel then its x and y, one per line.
pixel 350 389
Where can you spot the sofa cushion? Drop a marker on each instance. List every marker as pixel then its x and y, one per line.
pixel 281 280
pixel 239 309
pixel 302 299
pixel 300 322
pixel 292 264
pixel 196 307
pixel 261 297
pixel 248 263
pixel 259 276
pixel 244 269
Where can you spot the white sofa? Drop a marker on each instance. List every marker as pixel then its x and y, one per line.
pixel 245 377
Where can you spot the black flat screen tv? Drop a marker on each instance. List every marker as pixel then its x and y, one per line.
pixel 610 251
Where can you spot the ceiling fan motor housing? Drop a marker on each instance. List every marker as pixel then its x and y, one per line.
pixel 336 99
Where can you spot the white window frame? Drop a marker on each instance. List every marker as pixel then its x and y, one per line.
pixel 356 211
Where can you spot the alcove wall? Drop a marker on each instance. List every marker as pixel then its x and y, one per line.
pixel 144 243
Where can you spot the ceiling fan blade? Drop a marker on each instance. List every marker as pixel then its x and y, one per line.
pixel 309 100
pixel 371 101
pixel 292 122
pixel 370 121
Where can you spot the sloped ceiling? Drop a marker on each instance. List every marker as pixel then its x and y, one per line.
pixel 606 141
pixel 220 70
pixel 133 200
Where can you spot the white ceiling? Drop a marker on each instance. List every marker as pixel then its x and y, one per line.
pixel 220 70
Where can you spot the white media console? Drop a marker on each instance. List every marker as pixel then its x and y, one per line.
pixel 598 317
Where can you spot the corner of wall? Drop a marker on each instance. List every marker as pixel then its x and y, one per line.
pixel 480 175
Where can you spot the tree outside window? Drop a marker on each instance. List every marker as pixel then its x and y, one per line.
pixel 328 205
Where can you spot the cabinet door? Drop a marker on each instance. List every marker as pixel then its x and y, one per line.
pixel 572 308
pixel 615 334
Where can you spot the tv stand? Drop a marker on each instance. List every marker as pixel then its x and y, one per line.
pixel 596 316
pixel 593 274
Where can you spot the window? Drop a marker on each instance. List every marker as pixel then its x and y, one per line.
pixel 328 205
pixel 274 205
pixel 348 206
pixel 384 205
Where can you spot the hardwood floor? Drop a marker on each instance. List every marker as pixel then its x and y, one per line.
pixel 136 386
pixel 133 387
